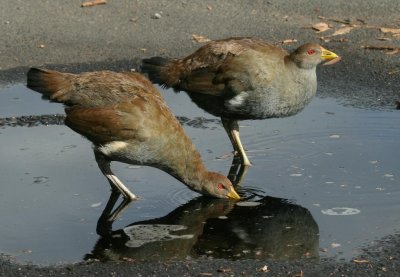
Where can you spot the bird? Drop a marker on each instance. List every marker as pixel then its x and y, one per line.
pixel 243 78
pixel 127 120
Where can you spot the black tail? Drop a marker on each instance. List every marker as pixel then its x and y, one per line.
pixel 49 83
pixel 153 68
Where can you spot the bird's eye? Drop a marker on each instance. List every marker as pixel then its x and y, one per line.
pixel 220 186
pixel 310 52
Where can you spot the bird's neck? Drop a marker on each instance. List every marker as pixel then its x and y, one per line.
pixel 186 165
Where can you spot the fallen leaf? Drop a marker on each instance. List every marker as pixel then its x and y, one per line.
pixel 209 8
pixel 264 269
pixel 342 31
pixel 143 50
pixel 385 39
pixel 325 39
pixel 360 261
pixel 376 47
pixel 361 20
pixel 200 39
pixel 206 274
pixel 127 259
pixel 395 51
pixel 93 3
pixel 345 21
pixel 41 46
pixel 288 41
pixel 390 30
pixel 301 274
pixel 320 27
pixel 224 270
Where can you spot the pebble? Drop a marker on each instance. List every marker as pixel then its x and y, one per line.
pixel 156 16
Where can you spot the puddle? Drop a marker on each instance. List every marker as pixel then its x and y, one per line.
pixel 319 186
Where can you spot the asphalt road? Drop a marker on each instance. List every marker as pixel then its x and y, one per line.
pixel 117 35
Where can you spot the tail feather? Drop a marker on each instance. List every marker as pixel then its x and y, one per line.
pixel 160 71
pixel 50 83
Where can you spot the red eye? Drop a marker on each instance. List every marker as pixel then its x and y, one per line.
pixel 220 186
pixel 310 52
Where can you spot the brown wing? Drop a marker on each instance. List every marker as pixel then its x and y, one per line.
pixel 225 66
pixel 102 125
pixel 96 89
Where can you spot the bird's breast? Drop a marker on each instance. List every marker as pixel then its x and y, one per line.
pixel 268 102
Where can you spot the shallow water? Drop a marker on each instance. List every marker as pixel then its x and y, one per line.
pixel 324 183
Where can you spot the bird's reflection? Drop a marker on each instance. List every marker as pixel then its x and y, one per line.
pixel 258 228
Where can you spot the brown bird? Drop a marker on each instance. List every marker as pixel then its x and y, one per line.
pixel 243 78
pixel 127 120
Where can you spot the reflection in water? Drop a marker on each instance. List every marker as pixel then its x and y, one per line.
pixel 217 228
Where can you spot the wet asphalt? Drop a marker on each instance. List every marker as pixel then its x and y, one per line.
pixel 117 35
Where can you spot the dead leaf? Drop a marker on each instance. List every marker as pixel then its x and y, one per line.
pixel 324 39
pixel 320 27
pixel 264 269
pixel 41 46
pixel 362 21
pixel 301 274
pixel 345 21
pixel 200 39
pixel 224 270
pixel 395 51
pixel 383 38
pixel 93 3
pixel 342 31
pixel 375 47
pixel 360 261
pixel 206 274
pixel 127 259
pixel 289 41
pixel 144 50
pixel 390 30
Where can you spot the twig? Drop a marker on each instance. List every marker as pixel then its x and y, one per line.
pixel 93 3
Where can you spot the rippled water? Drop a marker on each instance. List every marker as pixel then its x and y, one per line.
pixel 324 183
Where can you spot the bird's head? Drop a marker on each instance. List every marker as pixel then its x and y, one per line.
pixel 218 185
pixel 310 55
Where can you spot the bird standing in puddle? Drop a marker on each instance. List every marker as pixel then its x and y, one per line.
pixel 127 120
pixel 243 78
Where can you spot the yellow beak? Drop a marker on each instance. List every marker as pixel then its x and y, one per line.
pixel 327 55
pixel 233 194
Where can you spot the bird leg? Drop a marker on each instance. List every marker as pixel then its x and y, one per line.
pixel 104 164
pixel 232 128
pixel 108 216
pixel 237 171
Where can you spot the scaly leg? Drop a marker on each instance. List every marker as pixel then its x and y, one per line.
pixel 232 128
pixel 104 164
pixel 237 172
